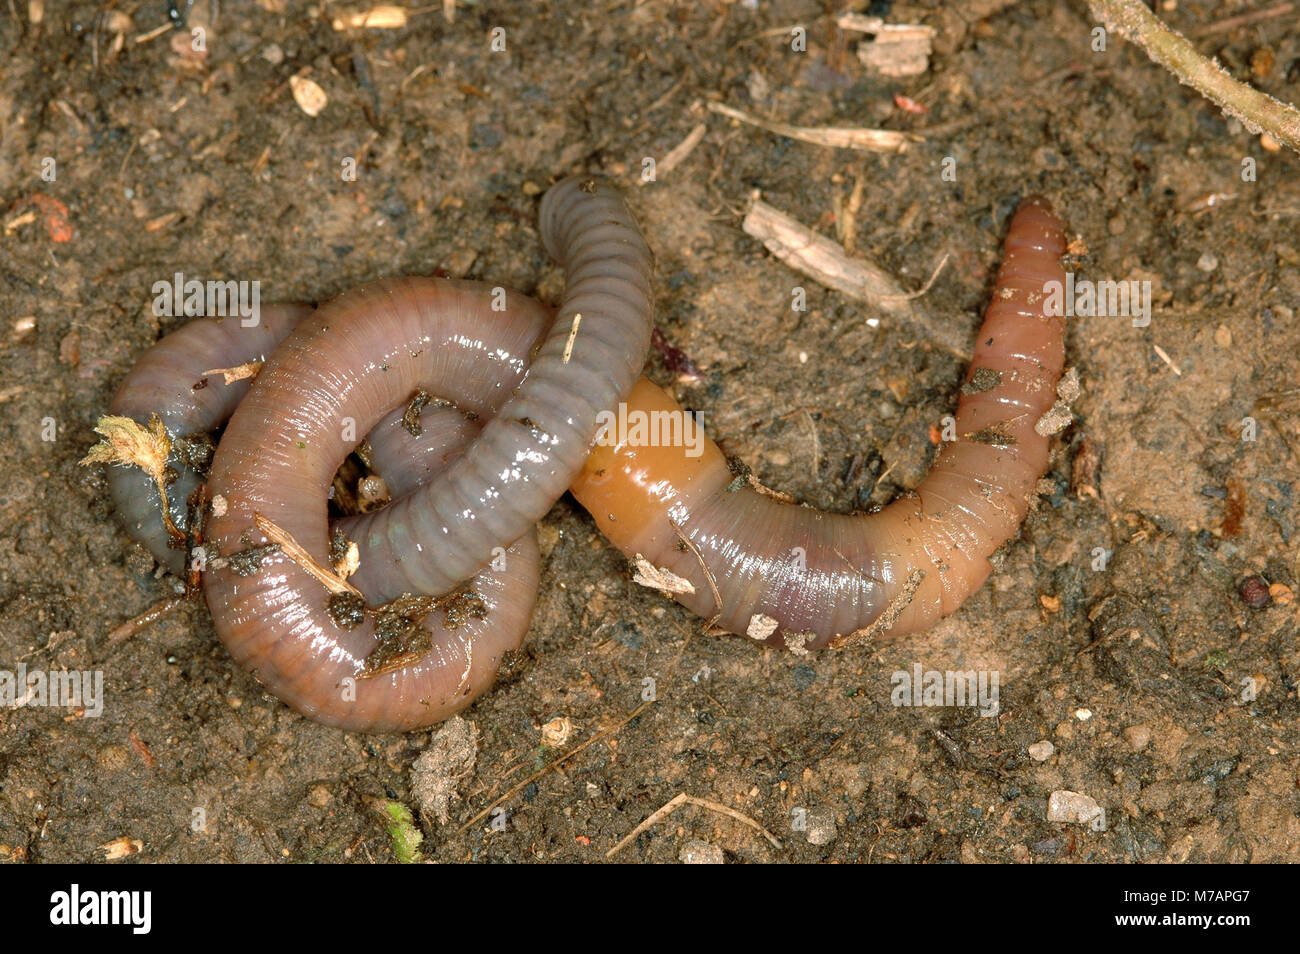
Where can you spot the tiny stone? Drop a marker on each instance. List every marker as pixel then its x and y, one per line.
pixel 1041 751
pixel 760 626
pixel 821 826
pixel 696 852
pixel 1072 808
pixel 1207 262
pixel 1137 736
pixel 1254 592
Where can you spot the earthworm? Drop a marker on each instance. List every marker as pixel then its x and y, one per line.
pixel 828 580
pixel 465 509
pixel 462 657
pixel 805 579
pixel 533 448
pixel 170 380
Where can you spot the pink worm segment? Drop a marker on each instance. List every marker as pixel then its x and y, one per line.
pixel 829 579
pixel 334 378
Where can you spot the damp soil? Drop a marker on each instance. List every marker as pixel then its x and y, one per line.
pixel 1114 620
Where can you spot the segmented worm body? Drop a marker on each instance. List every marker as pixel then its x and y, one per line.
pixel 804 578
pixel 462 509
pixel 468 489
pixel 171 380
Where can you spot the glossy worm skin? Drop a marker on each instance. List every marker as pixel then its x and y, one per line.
pixel 458 506
pixel 169 381
pixel 529 453
pixel 807 578
pixel 828 579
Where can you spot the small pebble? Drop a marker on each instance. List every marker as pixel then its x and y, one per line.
pixel 1041 751
pixel 1137 736
pixel 1254 592
pixel 1207 262
pixel 696 852
pixel 821 826
pixel 1073 808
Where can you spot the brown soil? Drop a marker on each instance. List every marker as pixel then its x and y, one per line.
pixel 169 162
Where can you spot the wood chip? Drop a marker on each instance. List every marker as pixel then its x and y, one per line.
pixel 659 578
pixel 836 137
pixel 822 259
pixel 239 372
pixel 120 848
pixel 828 264
pixel 382 17
pixel 896 49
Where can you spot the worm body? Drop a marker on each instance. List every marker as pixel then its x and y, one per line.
pixel 465 497
pixel 533 448
pixel 518 394
pixel 800 577
pixel 170 380
pixel 338 376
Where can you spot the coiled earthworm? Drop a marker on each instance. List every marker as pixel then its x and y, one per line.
pixel 830 580
pixel 332 379
pixel 803 578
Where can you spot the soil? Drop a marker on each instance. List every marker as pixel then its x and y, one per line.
pixel 1114 620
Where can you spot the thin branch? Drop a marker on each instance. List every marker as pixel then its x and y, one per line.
pixel 1257 111
pixel 683 799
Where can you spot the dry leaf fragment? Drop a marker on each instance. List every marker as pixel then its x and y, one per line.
pixel 129 444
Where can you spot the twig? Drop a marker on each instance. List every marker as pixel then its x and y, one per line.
pixel 924 289
pixel 677 802
pixel 1243 19
pixel 1257 111
pixel 299 555
pixel 837 137
pixel 132 626
pixel 708 574
pixel 554 763
pixel 682 149
pixel 827 263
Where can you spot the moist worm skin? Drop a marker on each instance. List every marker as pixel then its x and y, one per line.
pixel 832 579
pixel 339 375
pixel 343 369
pixel 168 380
pixel 529 452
